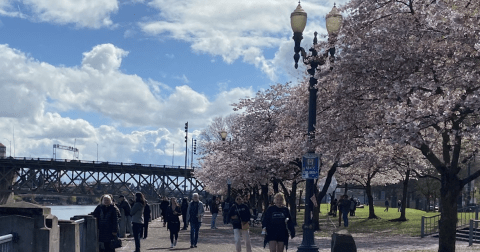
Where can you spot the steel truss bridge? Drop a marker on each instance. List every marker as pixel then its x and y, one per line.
pixel 93 178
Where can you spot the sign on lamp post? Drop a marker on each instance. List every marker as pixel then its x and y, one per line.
pixel 310 166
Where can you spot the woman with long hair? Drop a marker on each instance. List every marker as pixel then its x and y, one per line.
pixel 137 218
pixel 173 222
pixel 276 223
pixel 107 223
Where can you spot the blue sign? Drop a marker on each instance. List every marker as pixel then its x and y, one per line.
pixel 310 166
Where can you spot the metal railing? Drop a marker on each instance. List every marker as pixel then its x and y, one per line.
pixel 472 236
pixel 430 226
pixel 82 229
pixel 6 243
pixel 467 214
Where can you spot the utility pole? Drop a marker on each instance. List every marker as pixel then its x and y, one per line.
pixel 186 152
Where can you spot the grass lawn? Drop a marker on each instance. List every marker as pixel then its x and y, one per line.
pixel 361 224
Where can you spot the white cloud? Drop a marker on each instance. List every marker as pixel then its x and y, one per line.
pixel 182 78
pixel 105 57
pixel 34 95
pixel 233 29
pixel 84 13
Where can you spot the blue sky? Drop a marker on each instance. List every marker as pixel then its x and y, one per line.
pixel 127 75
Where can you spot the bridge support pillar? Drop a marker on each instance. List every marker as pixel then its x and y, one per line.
pixel 8 176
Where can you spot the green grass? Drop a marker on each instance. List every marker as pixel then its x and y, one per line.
pixel 381 226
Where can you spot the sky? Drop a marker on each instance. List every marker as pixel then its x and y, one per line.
pixel 118 80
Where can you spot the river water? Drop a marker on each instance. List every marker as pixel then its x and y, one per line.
pixel 65 212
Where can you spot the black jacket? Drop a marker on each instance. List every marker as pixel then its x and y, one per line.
pixel 242 211
pixel 107 222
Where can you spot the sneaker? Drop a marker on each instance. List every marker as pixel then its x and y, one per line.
pixel 191 246
pixel 195 245
pixel 171 246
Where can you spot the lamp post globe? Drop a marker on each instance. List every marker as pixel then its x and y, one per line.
pixel 223 134
pixel 334 21
pixel 298 19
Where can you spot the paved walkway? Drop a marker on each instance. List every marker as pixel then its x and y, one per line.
pixel 221 240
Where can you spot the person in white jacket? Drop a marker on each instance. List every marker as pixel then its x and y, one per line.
pixel 195 214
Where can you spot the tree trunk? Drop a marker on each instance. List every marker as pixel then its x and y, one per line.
pixel 371 210
pixel 404 197
pixel 265 197
pixel 293 202
pixel 275 186
pixel 449 193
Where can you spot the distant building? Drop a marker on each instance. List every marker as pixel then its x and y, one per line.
pixel 3 151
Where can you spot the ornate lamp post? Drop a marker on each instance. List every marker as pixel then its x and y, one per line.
pixel 298 20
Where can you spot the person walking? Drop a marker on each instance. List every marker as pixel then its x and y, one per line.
pixel 276 224
pixel 353 206
pixel 123 204
pixel 164 205
pixel 386 206
pixel 137 218
pixel 195 213
pixel 399 205
pixel 334 207
pixel 214 209
pixel 240 216
pixel 173 222
pixel 107 223
pixel 344 209
pixel 184 213
pixel 147 214
pixel 226 210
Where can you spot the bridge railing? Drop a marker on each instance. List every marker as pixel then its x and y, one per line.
pixel 98 162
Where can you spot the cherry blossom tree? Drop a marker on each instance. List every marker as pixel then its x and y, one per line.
pixel 411 68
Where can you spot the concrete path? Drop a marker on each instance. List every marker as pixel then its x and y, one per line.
pixel 221 240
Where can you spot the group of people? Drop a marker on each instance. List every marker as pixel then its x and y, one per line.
pixel 344 206
pixel 108 214
pixel 277 224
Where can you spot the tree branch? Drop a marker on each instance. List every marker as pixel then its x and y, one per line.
pixel 425 176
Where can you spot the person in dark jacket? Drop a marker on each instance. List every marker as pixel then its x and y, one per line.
pixel 184 213
pixel 226 204
pixel 173 222
pixel 353 206
pixel 137 218
pixel 164 205
pixel 334 207
pixel 123 204
pixel 240 215
pixel 195 214
pixel 276 224
pixel 214 208
pixel 344 207
pixel 107 223
pixel 146 219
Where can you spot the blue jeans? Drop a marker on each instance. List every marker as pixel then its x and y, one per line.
pixel 214 217
pixel 345 218
pixel 194 228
